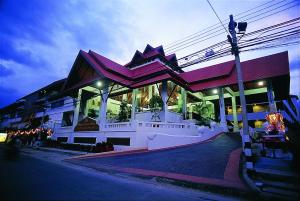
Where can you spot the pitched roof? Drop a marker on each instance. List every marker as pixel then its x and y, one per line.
pixel 218 75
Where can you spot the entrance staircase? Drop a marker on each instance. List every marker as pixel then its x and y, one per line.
pixel 276 179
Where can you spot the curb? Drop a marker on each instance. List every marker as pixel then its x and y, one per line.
pixel 59 151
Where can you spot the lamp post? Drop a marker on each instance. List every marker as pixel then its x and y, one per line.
pixel 235 50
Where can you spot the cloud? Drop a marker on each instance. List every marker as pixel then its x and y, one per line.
pixel 4 72
pixel 8 95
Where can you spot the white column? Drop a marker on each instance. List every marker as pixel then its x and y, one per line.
pixel 183 97
pixel 103 105
pixel 222 109
pixel 150 92
pixel 234 114
pixel 270 92
pixel 133 104
pixel 77 108
pixel 191 112
pixel 164 96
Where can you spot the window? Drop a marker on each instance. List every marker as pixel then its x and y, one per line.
pixel 119 141
pixel 67 119
pixel 85 140
pixel 57 104
pixel 62 139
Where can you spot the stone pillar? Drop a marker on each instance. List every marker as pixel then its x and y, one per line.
pixel 164 96
pixel 183 98
pixel 150 92
pixel 234 115
pixel 191 112
pixel 270 92
pixel 103 105
pixel 222 109
pixel 77 109
pixel 133 103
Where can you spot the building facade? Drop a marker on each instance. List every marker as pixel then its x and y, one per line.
pixel 150 102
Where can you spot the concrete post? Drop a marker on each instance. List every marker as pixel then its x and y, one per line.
pixel 150 92
pixel 234 115
pixel 183 97
pixel 191 112
pixel 270 92
pixel 77 109
pixel 133 104
pixel 164 96
pixel 103 106
pixel 245 137
pixel 222 110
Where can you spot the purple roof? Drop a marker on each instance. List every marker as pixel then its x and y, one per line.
pixel 218 75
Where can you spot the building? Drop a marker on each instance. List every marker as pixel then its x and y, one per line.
pixel 160 104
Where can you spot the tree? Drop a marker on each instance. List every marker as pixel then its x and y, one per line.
pixel 155 105
pixel 124 111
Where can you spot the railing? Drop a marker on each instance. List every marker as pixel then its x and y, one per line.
pixel 174 128
pixel 148 116
pixel 122 126
pixel 251 116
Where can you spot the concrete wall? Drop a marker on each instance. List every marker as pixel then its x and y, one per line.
pixel 160 140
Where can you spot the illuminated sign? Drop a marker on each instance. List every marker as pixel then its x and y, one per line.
pixel 3 137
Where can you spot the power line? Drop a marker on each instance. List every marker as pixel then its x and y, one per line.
pixel 214 29
pixel 186 60
pixel 226 20
pixel 217 16
pixel 218 31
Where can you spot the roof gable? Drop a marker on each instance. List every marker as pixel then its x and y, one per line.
pixel 81 73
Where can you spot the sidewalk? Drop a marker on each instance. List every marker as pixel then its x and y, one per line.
pixel 65 151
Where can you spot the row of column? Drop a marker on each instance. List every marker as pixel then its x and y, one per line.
pixel 104 98
pixel 164 95
pixel 271 100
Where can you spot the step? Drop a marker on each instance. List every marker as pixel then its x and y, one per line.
pixel 271 196
pixel 279 184
pixel 291 195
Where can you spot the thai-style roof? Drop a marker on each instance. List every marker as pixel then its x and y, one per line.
pixel 153 71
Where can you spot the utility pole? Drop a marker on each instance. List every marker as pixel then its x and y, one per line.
pixel 235 50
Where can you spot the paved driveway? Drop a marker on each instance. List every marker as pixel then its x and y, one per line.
pixel 205 160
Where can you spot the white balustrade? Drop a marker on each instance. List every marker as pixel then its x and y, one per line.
pixel 122 126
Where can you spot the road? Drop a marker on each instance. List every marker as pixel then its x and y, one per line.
pixel 202 160
pixel 27 178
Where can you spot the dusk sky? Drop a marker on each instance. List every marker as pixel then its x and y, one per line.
pixel 39 39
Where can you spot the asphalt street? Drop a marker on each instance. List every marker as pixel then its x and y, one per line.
pixel 26 178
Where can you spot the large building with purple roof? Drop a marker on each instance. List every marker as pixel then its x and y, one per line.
pixel 150 101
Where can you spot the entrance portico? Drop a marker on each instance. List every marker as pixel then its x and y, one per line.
pixel 190 100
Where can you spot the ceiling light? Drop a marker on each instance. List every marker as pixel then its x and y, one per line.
pixel 260 83
pixel 215 91
pixel 99 84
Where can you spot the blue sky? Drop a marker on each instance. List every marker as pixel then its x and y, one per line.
pixel 39 39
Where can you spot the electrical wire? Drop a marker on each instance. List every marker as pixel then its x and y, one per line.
pixel 217 25
pixel 218 32
pixel 279 26
pixel 205 31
